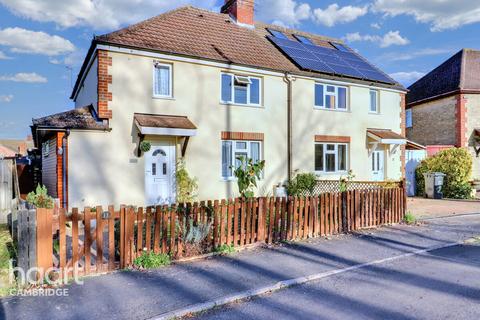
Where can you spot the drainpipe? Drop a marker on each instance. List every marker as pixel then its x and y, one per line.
pixel 289 79
pixel 64 168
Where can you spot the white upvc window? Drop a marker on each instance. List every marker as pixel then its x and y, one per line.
pixel 374 101
pixel 162 80
pixel 242 90
pixel 46 149
pixel 409 118
pixel 330 97
pixel 331 157
pixel 234 149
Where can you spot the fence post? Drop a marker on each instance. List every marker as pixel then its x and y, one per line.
pixel 344 212
pixel 261 220
pixel 44 240
pixel 27 239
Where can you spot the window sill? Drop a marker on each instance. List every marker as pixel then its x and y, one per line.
pixel 374 113
pixel 163 98
pixel 255 106
pixel 334 110
pixel 336 173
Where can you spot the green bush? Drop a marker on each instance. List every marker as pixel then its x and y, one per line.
pixel 409 218
pixel 187 187
pixel 40 198
pixel 152 260
pixel 302 184
pixel 456 163
pixel 225 249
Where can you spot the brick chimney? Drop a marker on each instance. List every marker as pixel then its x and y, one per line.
pixel 240 10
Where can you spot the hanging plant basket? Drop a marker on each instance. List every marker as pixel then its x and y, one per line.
pixel 145 146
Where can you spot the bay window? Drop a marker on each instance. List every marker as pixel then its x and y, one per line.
pixel 331 157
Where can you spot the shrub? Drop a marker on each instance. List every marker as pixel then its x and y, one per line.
pixel 344 181
pixel 247 174
pixel 187 187
pixel 456 163
pixel 302 184
pixel 409 218
pixel 152 260
pixel 225 249
pixel 40 198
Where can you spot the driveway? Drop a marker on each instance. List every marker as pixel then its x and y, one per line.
pixel 143 295
pixel 429 208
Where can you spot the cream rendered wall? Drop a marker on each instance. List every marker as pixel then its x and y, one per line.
pixel 309 122
pixel 88 93
pixel 473 122
pixel 104 168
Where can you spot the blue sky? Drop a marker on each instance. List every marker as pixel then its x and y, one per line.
pixel 43 42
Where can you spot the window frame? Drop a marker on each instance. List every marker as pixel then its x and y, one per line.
pixel 335 152
pixel 237 77
pixel 326 93
pixel 46 149
pixel 377 101
pixel 409 124
pixel 170 68
pixel 233 159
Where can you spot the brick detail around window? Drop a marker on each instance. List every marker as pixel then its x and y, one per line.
pixel 334 139
pixel 403 123
pixel 104 79
pixel 251 136
pixel 461 125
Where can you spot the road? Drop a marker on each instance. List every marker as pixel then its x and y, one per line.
pixel 441 284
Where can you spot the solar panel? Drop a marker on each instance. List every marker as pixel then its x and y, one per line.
pixel 303 39
pixel 342 62
pixel 277 34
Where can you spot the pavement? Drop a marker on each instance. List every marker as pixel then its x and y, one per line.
pixel 429 208
pixel 392 289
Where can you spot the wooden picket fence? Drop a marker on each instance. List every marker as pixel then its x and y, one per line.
pixel 104 239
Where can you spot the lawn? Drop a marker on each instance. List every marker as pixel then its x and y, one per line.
pixel 7 252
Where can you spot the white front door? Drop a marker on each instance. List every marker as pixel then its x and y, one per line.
pixel 160 173
pixel 377 164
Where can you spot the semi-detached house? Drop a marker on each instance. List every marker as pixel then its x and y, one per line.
pixel 208 87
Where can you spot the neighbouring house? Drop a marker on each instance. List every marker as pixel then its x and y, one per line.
pixel 209 87
pixel 17 146
pixel 443 107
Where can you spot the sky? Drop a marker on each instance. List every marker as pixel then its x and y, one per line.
pixel 43 42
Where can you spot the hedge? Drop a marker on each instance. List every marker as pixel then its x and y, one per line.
pixel 456 163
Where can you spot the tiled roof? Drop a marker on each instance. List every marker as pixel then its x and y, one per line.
pixel 204 34
pixel 78 118
pixel 6 152
pixel 162 121
pixel 460 72
pixel 385 134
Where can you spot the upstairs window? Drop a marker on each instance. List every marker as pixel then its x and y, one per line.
pixel 330 97
pixel 243 90
pixel 409 118
pixel 373 101
pixel 162 80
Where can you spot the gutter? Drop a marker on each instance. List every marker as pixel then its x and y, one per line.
pixel 289 79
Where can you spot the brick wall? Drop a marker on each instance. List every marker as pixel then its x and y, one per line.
pixel 104 79
pixel 241 10
pixel 252 136
pixel 472 122
pixel 434 123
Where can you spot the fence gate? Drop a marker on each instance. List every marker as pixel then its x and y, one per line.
pixel 413 159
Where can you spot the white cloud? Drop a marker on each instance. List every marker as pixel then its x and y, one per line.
pixel 375 26
pixel 104 14
pixel 440 14
pixel 389 39
pixel 396 56
pixel 286 13
pixel 407 78
pixel 6 98
pixel 24 77
pixel 3 56
pixel 333 14
pixel 34 42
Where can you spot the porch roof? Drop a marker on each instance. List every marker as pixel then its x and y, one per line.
pixel 167 125
pixel 386 136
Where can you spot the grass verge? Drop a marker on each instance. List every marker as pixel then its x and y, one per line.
pixel 7 252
